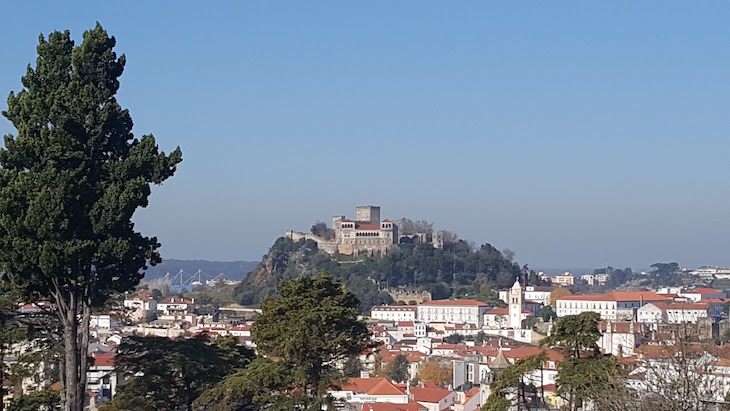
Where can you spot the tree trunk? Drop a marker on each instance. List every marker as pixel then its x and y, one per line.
pixel 71 362
pixel 73 369
pixel 84 349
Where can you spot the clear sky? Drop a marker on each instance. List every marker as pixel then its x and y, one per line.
pixel 575 133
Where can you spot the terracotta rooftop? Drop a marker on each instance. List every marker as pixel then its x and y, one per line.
pixel 387 406
pixel 522 352
pixel 431 395
pixel 368 227
pixel 703 291
pixel 104 360
pixel 621 327
pixel 455 303
pixel 681 306
pixel 371 386
pixel 618 296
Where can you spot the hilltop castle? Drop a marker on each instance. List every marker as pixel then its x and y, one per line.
pixel 366 234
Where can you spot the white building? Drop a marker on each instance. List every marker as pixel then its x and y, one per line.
pixel 498 317
pixel 698 294
pixel 531 293
pixel 673 312
pixel 103 378
pixel 176 305
pixel 612 306
pixel 363 390
pixel 619 337
pixel 566 279
pixel 595 279
pixel 142 306
pixel 103 322
pixel 709 272
pixel 453 312
pixel 395 313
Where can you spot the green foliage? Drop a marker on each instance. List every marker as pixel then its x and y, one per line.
pixel 454 339
pixel 35 401
pixel 70 182
pixel 261 385
pixel 575 334
pixel 173 372
pixel 583 378
pixel 475 272
pixel 75 174
pixel 496 402
pixel 352 367
pixel 547 313
pixel 398 369
pixel 511 379
pixel 311 325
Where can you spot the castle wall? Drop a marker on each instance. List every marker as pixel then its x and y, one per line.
pixel 324 245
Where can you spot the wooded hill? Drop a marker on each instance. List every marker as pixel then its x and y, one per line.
pixel 459 269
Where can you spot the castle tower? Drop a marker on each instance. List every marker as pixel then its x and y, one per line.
pixel 337 226
pixel 367 214
pixel 515 306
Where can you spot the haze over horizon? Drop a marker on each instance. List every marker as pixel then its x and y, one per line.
pixel 576 134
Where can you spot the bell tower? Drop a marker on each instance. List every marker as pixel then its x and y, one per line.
pixel 515 306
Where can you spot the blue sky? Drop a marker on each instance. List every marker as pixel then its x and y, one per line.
pixel 575 133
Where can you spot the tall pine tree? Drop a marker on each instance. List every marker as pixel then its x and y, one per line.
pixel 70 181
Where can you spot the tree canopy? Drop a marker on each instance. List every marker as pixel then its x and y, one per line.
pixel 311 325
pixel 575 334
pixel 398 369
pixel 70 181
pixel 170 374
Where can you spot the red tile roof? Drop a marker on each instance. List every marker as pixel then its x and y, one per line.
pixel 455 303
pixel 618 296
pixel 472 392
pixel 405 323
pixel 681 306
pixel 368 227
pixel 104 360
pixel 431 395
pixel 371 386
pixel 386 406
pixel 522 352
pixel 703 291
pixel 621 327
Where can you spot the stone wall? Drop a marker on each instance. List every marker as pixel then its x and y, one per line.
pixel 409 295
pixel 324 245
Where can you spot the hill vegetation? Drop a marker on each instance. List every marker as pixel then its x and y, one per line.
pixel 459 270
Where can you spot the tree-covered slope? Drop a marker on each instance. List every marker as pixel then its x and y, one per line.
pixel 458 269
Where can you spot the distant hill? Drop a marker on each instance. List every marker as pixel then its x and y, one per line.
pixel 459 269
pixel 232 270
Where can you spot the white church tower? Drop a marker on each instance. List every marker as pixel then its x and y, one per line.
pixel 515 306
